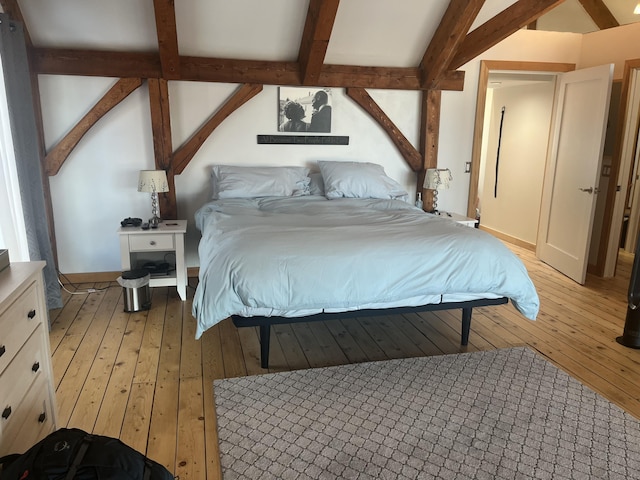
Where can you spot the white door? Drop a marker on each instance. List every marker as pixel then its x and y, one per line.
pixel 572 170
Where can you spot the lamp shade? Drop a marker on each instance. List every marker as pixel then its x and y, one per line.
pixel 437 179
pixel 153 181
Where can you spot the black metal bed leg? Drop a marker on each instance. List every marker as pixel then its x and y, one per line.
pixel 265 334
pixel 466 325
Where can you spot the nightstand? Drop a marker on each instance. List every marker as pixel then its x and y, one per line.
pixel 161 245
pixel 461 219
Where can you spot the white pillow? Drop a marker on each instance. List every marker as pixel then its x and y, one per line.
pixel 358 180
pixel 231 181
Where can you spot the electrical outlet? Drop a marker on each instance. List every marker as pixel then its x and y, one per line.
pixel 467 167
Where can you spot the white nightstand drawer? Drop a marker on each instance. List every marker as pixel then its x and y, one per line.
pixel 16 324
pixel 144 243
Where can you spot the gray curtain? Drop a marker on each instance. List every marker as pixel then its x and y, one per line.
pixel 13 53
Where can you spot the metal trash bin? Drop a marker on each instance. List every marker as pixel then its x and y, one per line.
pixel 136 291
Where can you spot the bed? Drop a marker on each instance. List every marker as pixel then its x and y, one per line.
pixel 307 252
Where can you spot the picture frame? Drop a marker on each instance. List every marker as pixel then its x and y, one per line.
pixel 304 110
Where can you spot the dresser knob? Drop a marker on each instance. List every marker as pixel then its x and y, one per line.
pixel 42 417
pixel 6 412
pixel 35 367
pixel 31 314
pixel 152 242
pixel 2 350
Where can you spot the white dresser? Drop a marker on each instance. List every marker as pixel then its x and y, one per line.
pixel 27 395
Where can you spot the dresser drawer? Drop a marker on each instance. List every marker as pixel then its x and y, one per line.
pixel 17 323
pixel 33 420
pixel 144 243
pixel 23 370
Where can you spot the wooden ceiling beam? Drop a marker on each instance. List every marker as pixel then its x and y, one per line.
pixel 385 78
pixel 201 69
pixel 510 20
pixel 453 28
pixel 165 14
pixel 600 13
pixel 162 145
pixel 429 137
pixel 315 38
pixel 90 63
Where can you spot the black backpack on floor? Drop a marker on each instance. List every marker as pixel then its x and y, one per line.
pixel 74 454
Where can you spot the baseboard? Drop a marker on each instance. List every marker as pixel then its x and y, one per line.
pixel 103 277
pixel 508 238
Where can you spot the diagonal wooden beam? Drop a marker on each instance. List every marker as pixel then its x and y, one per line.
pixel 315 38
pixel 600 14
pixel 185 153
pixel 167 38
pixel 408 151
pixel 59 153
pixel 510 20
pixel 455 24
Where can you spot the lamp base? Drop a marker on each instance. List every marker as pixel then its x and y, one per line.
pixel 154 221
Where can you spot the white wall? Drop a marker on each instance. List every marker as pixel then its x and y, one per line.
pixel 613 45
pixel 515 211
pixel 96 187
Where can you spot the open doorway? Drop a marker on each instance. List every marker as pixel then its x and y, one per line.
pixel 520 95
pixel 504 79
pixel 519 106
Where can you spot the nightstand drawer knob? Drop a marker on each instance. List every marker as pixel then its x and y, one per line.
pixel 6 412
pixel 35 367
pixel 31 314
pixel 152 242
pixel 2 350
pixel 42 417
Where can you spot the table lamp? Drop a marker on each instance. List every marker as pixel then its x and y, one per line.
pixel 437 179
pixel 153 181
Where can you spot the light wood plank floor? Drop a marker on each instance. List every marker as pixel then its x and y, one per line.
pixel 143 377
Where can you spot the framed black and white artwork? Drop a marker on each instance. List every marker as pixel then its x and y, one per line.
pixel 302 110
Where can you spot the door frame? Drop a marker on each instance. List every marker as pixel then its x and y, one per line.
pixel 611 228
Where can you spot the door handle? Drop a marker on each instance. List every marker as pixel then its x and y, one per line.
pixel 588 190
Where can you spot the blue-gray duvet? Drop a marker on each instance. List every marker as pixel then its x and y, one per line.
pixel 297 256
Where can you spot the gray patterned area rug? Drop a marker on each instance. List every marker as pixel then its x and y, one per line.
pixel 484 415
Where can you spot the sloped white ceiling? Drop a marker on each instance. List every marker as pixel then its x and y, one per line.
pixel 366 32
pixel 121 25
pixel 571 17
pixel 382 33
pixel 243 29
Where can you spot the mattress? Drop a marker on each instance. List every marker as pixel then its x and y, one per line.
pixel 298 256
